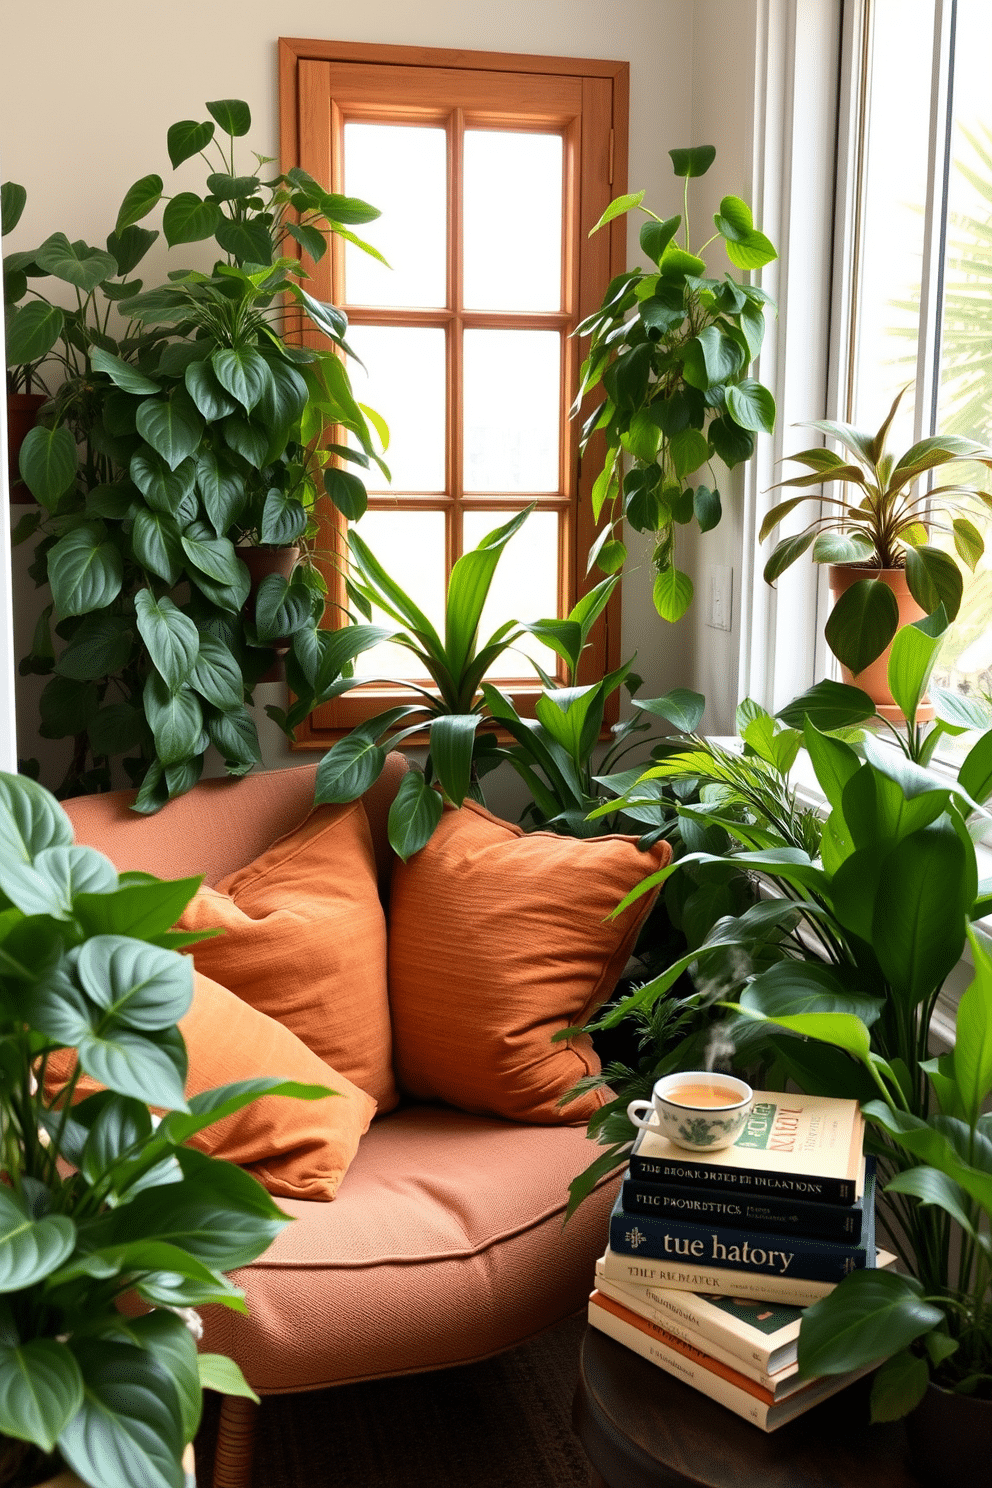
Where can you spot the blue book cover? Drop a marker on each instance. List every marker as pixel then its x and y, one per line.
pixel 740 1210
pixel 761 1251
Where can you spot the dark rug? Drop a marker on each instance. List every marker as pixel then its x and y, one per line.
pixel 504 1423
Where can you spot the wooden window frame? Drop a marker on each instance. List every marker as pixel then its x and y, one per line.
pixel 590 95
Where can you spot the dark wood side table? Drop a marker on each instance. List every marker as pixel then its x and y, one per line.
pixel 642 1428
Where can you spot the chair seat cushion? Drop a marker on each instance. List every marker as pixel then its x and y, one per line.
pixel 444 1244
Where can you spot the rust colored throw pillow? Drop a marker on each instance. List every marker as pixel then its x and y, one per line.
pixel 305 942
pixel 498 939
pixel 299 1149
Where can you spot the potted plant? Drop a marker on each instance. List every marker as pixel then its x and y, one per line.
pixel 183 429
pixel 832 982
pixel 672 347
pixel 100 1199
pixel 884 570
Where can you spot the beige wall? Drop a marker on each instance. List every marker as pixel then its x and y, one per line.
pixel 88 90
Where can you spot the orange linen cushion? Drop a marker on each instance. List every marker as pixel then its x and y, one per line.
pixel 305 942
pixel 298 1149
pixel 498 939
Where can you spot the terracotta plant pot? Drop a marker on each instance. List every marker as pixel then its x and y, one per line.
pixel 950 1438
pixel 260 563
pixel 22 414
pixel 874 679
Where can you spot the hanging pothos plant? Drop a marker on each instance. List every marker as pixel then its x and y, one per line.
pixel 672 347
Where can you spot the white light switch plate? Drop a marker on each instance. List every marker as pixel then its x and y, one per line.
pixel 721 596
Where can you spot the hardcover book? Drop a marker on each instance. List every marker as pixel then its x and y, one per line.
pixel 764 1407
pixel 805 1147
pixel 758 1338
pixel 741 1210
pixel 769 1254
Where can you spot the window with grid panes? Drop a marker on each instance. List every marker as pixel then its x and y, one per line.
pixel 489 170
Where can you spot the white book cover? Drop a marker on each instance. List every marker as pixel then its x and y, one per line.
pixel 643 1271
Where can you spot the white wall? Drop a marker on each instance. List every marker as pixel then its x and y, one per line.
pixel 87 92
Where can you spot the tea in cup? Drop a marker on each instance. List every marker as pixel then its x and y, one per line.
pixel 695 1109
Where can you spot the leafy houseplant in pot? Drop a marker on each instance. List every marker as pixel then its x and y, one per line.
pixel 672 347
pixel 839 973
pixel 101 1200
pixel 884 571
pixel 186 427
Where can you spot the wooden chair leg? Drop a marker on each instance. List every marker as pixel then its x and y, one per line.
pixel 235 1442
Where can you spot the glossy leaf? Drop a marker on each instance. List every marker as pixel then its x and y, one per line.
pixel 171 636
pixel 975 774
pixel 189 219
pixel 356 761
pixel 139 200
pixel 75 263
pixel 694 161
pixel 188 138
pixel 828 705
pixel 973 1043
pixel 751 406
pixel 150 1068
pixel 41 1388
pixel 141 985
pixel 128 1430
pixel 175 719
pixel 868 1316
pixel 785 554
pixel 862 623
pixel 48 463
pixel 232 114
pixel 415 812
pixel 85 571
pixel 918 924
pixel 173 428
pixel 672 594
pixel 681 708
pixel 30 1248
pixel 218 1372
pixel 242 372
pixel 452 749
pixel 32 331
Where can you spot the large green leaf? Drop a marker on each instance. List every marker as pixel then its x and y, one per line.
pixel 468 588
pixel 187 138
pixel 144 910
pixel 175 719
pixel 235 737
pixel 173 428
pixel 711 358
pixel 85 571
pixel 171 1344
pixel 30 1248
pixel 216 674
pixel 221 489
pixel 232 114
pixel 694 161
pixel 164 489
pixel 139 201
pixel 975 774
pixel 189 219
pixel 911 661
pixel 171 637
pixel 122 373
pixel 128 1430
pixel 48 463
pixel 747 248
pixel 284 518
pixel 75 263
pixel 862 623
pixel 210 398
pixel 682 708
pixel 141 985
pixel 243 372
pixel 41 1389
pixel 209 554
pixel 868 1316
pixel 156 540
pixel 828 705
pixel 13 199
pixel 32 331
pixel 452 749
pixel 751 406
pixel 218 1372
pixel 347 492
pixel 75 870
pixel 281 608
pixel 413 815
pixel 149 1067
pixel 934 578
pixel 389 593
pixel 790 987
pixel 672 593
pixel 918 924
pixel 357 760
pixel 973 1044
pixel 101 645
pixel 573 717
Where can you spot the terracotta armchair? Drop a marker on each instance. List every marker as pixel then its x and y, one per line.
pixel 444 1244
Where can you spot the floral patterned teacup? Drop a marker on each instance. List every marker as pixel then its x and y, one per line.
pixel 695 1109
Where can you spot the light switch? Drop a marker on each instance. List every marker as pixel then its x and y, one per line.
pixel 721 612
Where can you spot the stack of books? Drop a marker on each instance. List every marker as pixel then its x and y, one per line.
pixel 712 1256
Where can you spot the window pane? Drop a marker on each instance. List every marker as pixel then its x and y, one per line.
pixel 512 399
pixel 893 199
pixel 410 547
pixel 525 585
pixel 405 382
pixel 512 222
pixel 965 391
pixel 402 170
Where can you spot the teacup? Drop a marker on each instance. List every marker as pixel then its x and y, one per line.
pixel 695 1109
